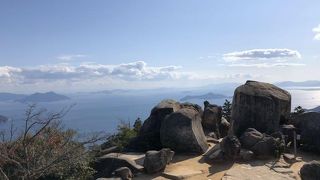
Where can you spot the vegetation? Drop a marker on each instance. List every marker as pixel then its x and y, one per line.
pixel 123 135
pixel 43 149
pixel 298 110
pixel 226 110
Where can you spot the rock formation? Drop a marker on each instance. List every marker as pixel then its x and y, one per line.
pixel 259 105
pixel 309 127
pixel 211 118
pixel 107 164
pixel 181 131
pixel 149 135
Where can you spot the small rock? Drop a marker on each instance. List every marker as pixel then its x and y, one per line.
pixel 310 171
pixel 230 146
pixel 156 161
pixel 124 173
pixel 246 155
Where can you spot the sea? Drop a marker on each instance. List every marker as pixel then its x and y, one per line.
pixel 104 112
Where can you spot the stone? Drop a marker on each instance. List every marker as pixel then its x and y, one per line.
pixel 149 135
pixel 310 171
pixel 250 137
pixel 107 164
pixel 230 147
pixel 156 161
pixel 308 125
pixel 211 118
pixel 224 127
pixel 181 131
pixel 246 155
pixel 124 173
pixel 259 105
pixel 267 147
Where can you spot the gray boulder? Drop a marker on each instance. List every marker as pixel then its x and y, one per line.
pixel 156 161
pixel 310 171
pixel 259 105
pixel 262 145
pixel 107 164
pixel 230 147
pixel 211 118
pixel 124 173
pixel 149 134
pixel 267 147
pixel 309 127
pixel 181 131
pixel 250 137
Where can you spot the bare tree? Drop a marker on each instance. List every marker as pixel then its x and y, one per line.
pixel 44 147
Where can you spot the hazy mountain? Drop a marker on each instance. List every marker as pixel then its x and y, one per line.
pixel 11 96
pixel 316 109
pixel 204 96
pixel 44 97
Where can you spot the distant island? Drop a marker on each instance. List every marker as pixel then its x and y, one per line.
pixel 205 96
pixel 44 97
pixel 316 109
pixel 36 97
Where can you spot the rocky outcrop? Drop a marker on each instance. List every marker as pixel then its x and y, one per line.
pixel 309 126
pixel 224 127
pixel 310 171
pixel 259 105
pixel 211 118
pixel 124 173
pixel 156 161
pixel 149 135
pixel 107 164
pixel 181 131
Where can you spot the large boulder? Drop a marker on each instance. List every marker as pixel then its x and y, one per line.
pixel 309 126
pixel 156 161
pixel 310 171
pixel 211 118
pixel 107 164
pixel 149 134
pixel 181 131
pixel 259 105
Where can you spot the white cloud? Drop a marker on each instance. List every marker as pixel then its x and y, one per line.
pixel 316 30
pixel 261 54
pixel 266 65
pixel 130 71
pixel 70 57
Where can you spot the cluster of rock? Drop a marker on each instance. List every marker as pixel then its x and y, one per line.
pixel 261 126
pixel 178 126
pixel 115 165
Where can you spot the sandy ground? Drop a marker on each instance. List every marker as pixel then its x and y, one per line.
pixel 192 167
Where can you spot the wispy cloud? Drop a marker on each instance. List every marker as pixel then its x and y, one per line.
pixel 70 57
pixel 316 30
pixel 261 54
pixel 266 65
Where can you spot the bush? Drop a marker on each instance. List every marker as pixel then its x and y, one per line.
pixel 226 110
pixel 43 149
pixel 123 135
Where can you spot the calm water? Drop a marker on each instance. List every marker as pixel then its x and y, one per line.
pixel 104 112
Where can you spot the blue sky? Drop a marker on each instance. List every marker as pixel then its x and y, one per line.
pixel 88 45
